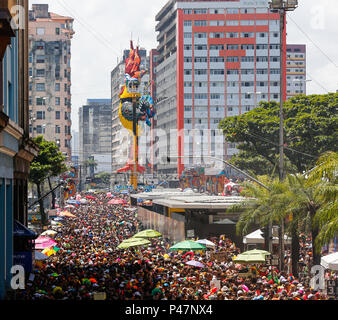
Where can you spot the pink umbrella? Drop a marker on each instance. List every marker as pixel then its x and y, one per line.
pixel 90 197
pixel 117 201
pixel 44 242
pixel 78 197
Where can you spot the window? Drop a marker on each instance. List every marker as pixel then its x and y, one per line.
pixel 232 11
pixel 57 101
pixel 40 101
pixel 247 34
pixel 40 115
pixel 261 46
pixel 40 59
pixel 187 96
pixel 57 86
pixel 188 59
pixel 200 72
pixel 232 71
pixel 200 11
pixel 274 71
pixel 216 59
pixel 187 23
pixel 232 59
pixel 40 31
pixel 262 59
pixel 30 58
pixel 187 47
pixel 274 47
pixel 201 35
pixel 248 84
pixel 262 22
pixel 200 23
pixel 216 47
pixel 57 129
pixel 57 115
pixel 217 11
pixel 248 10
pixel 247 47
pixel 217 35
pixel 215 23
pixel 187 35
pixel 57 31
pixel 40 87
pixel 201 47
pixel 66 87
pixel 232 22
pixel 248 71
pixel 201 96
pixel 230 109
pixel 187 72
pixel 30 72
pixel 216 71
pixel 40 72
pixel 40 129
pixel 247 22
pixel 232 34
pixel 201 59
pixel 262 71
pixel 58 142
pixel 188 84
pixel 247 59
pixel 232 47
pixel 262 34
pixel 274 59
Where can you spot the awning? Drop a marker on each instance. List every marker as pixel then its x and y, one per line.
pixel 21 231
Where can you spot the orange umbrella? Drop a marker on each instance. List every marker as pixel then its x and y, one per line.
pixel 67 214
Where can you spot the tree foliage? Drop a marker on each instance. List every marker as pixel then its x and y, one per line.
pixel 310 129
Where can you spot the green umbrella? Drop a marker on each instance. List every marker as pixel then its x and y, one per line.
pixel 252 257
pixel 133 242
pixel 188 246
pixel 148 234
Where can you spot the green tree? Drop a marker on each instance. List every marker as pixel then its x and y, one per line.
pixel 91 164
pixel 310 130
pixel 104 177
pixel 324 177
pixel 48 163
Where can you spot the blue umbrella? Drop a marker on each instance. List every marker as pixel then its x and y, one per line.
pixel 124 192
pixel 73 202
pixel 58 219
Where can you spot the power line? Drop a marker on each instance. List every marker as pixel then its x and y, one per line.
pixel 314 43
pixel 90 30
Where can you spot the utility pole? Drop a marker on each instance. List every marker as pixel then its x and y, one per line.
pixel 282 6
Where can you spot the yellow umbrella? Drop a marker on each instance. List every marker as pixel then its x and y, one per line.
pixel 48 252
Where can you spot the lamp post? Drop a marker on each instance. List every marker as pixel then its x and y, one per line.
pixel 281 7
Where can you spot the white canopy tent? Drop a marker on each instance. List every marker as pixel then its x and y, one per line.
pixel 257 238
pixel 330 261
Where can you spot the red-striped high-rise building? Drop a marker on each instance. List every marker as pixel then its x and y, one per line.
pixel 216 59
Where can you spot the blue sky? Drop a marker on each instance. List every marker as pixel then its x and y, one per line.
pixel 104 27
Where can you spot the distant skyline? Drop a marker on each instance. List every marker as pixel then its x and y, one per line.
pixel 104 28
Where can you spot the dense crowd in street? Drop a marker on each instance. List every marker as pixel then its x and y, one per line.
pixel 89 262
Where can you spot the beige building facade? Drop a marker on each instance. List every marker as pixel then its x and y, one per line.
pixel 50 38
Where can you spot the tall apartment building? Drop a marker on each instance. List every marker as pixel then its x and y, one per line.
pixel 50 76
pixel 295 69
pixel 122 141
pixel 95 128
pixel 216 59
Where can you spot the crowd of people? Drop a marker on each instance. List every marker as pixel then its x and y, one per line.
pixel 89 262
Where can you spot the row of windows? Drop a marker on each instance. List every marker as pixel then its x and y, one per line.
pixel 42 87
pixel 218 35
pixel 188 84
pixel 233 96
pixel 233 47
pixel 227 11
pixel 42 101
pixel 232 59
pixel 231 71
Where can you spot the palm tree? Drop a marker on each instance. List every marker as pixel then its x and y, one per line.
pixel 324 177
